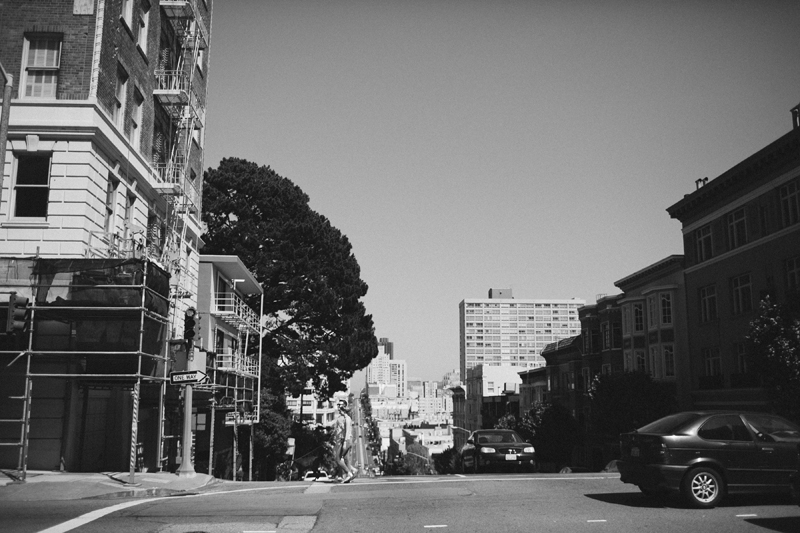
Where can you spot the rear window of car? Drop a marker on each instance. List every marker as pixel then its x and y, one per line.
pixel 669 424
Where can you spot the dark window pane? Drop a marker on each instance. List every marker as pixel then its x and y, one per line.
pixel 33 170
pixel 31 202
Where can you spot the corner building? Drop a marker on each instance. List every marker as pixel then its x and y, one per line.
pixel 741 239
pixel 99 225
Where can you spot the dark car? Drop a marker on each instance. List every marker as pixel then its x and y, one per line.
pixel 705 455
pixel 487 448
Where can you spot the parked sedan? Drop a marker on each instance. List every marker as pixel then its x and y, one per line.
pixel 706 454
pixel 496 448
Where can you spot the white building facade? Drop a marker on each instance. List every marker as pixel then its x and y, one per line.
pixel 503 331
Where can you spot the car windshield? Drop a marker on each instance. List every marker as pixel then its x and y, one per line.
pixel 489 438
pixel 669 424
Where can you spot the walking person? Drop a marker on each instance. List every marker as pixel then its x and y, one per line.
pixel 343 441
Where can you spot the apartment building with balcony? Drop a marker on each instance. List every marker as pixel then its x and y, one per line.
pixel 741 240
pixel 228 351
pixel 503 331
pixel 102 172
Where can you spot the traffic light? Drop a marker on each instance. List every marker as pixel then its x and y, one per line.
pixel 17 313
pixel 191 325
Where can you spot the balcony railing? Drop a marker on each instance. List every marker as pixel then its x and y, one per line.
pixel 107 245
pixel 234 311
pixel 237 363
pixel 186 19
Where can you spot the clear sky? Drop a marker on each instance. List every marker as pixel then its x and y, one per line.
pixel 463 145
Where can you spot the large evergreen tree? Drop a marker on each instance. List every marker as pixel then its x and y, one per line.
pixel 317 326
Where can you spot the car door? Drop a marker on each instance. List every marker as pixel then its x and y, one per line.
pixel 727 441
pixel 776 440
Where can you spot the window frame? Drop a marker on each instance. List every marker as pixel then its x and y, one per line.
pixel 126 13
pixel 704 243
pixel 26 69
pixel 741 294
pixel 668 356
pixel 792 269
pixel 666 307
pixel 135 129
pixel 707 297
pixel 120 97
pixel 16 186
pixel 143 28
pixel 638 317
pixel 790 203
pixel 737 228
pixel 712 361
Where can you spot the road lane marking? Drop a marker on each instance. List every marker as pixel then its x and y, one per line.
pixel 746 515
pixel 82 520
pixel 431 527
pixel 590 521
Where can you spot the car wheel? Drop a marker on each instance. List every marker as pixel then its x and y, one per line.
pixel 703 487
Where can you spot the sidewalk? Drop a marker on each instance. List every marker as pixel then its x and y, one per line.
pixel 44 485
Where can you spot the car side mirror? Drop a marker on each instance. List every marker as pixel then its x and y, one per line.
pixel 470 441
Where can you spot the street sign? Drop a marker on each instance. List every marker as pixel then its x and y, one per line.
pixel 187 377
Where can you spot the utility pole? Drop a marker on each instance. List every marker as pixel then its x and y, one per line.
pixel 9 83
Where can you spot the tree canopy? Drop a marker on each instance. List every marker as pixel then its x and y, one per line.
pixel 317 327
pixel 774 353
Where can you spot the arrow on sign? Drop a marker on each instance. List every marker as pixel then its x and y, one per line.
pixel 187 377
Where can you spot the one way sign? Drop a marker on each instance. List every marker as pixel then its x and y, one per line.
pixel 188 377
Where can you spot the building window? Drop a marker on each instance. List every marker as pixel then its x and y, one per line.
pixel 703 243
pixel 708 303
pixel 666 309
pixel 712 363
pixel 616 335
pixel 793 273
pixel 41 60
pixel 638 317
pixel 655 369
pixel 128 215
pixel 127 12
pixel 135 132
pixel 201 57
pixel 626 325
pixel 737 229
pixel 741 294
pixel 790 203
pixel 606 335
pixel 639 361
pixel 32 186
pixel 120 91
pixel 740 352
pixel 652 321
pixel 669 360
pixel 606 369
pixel 111 205
pixel 141 36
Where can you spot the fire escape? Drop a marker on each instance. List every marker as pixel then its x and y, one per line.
pixel 175 91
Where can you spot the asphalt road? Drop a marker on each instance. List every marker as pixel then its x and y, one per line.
pixel 482 503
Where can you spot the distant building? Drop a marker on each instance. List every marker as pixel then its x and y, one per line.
pixel 506 332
